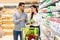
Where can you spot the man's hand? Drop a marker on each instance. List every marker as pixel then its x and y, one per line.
pixel 22 19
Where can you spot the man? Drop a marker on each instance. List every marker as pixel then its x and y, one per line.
pixel 19 19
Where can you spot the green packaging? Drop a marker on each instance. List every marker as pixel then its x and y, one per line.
pixel 47 1
pixel 49 14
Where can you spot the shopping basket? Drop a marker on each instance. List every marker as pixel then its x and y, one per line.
pixel 30 33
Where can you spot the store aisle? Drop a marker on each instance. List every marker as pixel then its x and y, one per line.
pixel 43 36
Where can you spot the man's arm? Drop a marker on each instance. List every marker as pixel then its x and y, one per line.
pixel 26 18
pixel 15 20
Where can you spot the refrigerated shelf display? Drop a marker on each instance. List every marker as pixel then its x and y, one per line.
pixel 45 4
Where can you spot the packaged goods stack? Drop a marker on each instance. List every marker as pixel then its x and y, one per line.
pixel 7 22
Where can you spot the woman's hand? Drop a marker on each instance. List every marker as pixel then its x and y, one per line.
pixel 27 23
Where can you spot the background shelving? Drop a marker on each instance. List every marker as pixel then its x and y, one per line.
pixel 50 10
pixel 47 3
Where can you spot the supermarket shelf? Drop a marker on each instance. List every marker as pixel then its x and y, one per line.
pixel 56 33
pixel 57 9
pixel 47 4
pixel 46 11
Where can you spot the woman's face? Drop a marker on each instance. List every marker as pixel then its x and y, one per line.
pixel 33 9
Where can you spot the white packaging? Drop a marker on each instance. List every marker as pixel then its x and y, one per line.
pixel 53 25
pixel 58 28
pixel 41 0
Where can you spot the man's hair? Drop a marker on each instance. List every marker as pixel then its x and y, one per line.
pixel 21 3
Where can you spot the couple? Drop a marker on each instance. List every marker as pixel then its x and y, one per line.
pixel 20 19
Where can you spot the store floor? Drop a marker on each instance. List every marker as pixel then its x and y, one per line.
pixel 8 37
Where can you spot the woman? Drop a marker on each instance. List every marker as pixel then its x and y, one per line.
pixel 35 17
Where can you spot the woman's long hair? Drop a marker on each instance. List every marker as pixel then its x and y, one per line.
pixel 34 6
